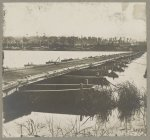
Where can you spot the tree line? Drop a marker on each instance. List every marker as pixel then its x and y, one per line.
pixel 72 43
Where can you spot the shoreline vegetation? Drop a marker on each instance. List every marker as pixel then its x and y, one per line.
pixel 53 43
pixel 129 102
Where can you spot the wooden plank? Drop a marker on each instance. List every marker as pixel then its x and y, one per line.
pixel 81 77
pixel 46 91
pixel 54 86
pixel 63 84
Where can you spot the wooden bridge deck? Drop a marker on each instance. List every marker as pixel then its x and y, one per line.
pixel 12 78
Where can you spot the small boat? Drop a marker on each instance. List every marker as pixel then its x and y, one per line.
pixel 52 62
pixel 66 60
pixel 90 57
pixel 122 64
pixel 57 61
pixel 49 62
pixel 118 68
pixel 29 64
pixel 113 74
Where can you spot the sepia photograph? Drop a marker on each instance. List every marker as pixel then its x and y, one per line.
pixel 74 69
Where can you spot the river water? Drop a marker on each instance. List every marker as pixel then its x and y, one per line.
pixel 50 124
pixel 15 59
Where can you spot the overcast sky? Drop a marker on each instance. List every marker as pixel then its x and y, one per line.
pixel 76 19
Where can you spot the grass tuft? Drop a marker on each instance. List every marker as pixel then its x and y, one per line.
pixel 128 100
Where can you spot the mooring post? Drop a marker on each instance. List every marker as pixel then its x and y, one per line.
pixel 21 131
pixel 81 92
pixel 81 117
pixel 87 81
pixel 97 74
pixel 81 86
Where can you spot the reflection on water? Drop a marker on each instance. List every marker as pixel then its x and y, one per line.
pixel 20 58
pixel 50 124
pixel 103 121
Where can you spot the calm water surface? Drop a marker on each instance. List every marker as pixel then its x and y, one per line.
pixel 14 59
pixel 62 123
